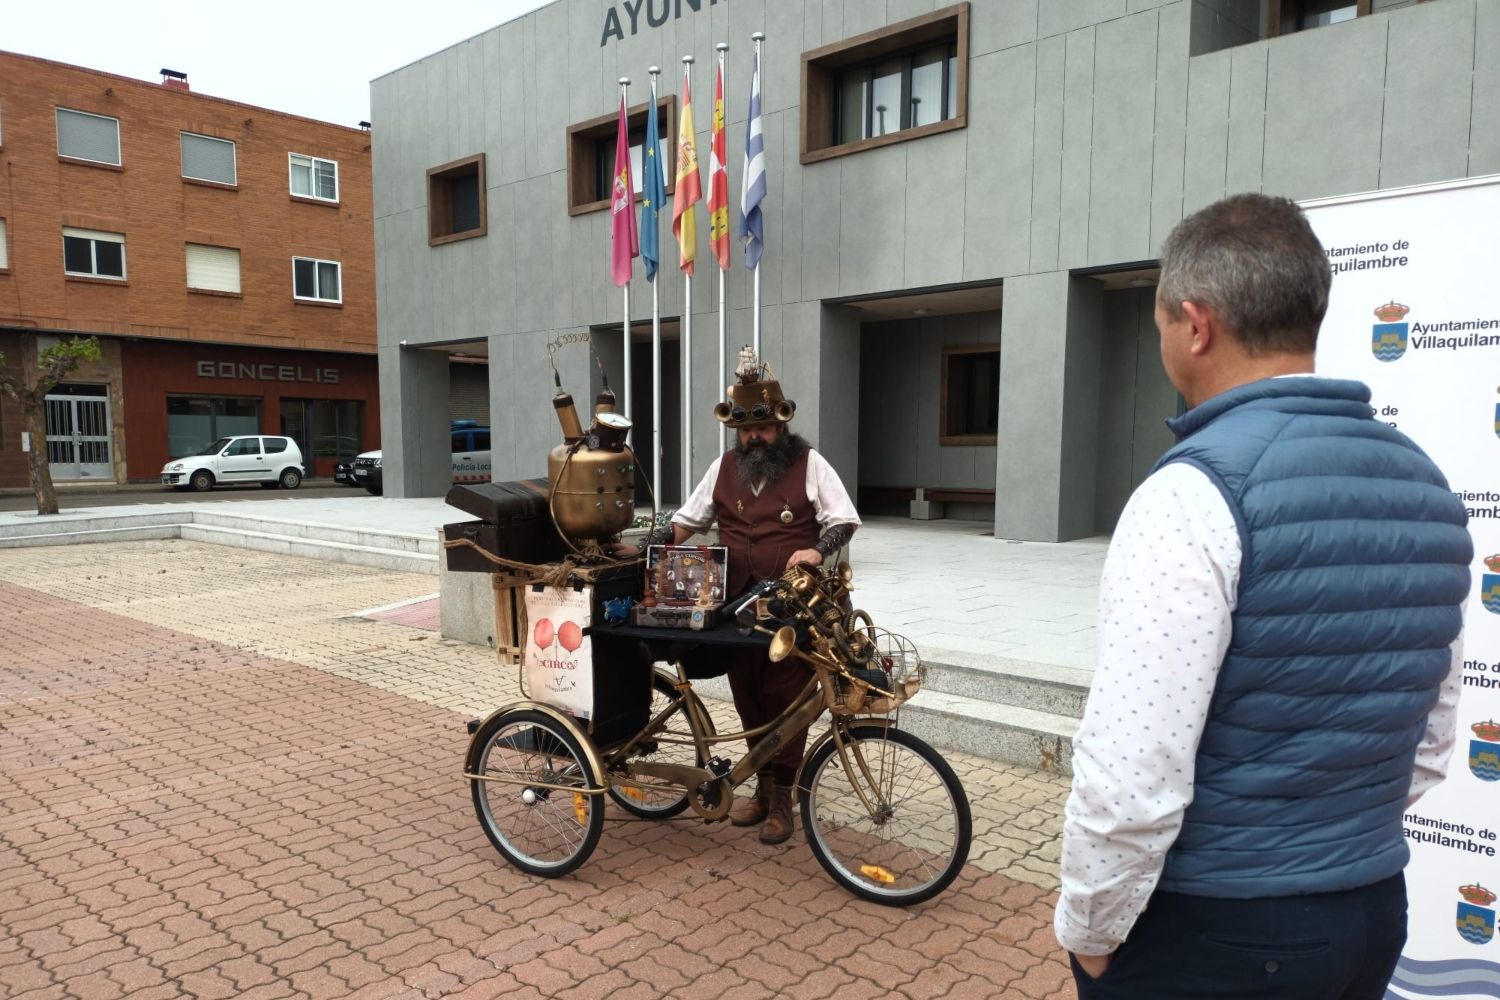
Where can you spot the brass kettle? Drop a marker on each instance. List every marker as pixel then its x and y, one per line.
pixel 592 472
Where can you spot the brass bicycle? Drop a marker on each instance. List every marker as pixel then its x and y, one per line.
pixel 883 811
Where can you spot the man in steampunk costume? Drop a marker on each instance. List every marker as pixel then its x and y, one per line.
pixel 778 503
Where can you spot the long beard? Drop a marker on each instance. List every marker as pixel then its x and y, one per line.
pixel 765 464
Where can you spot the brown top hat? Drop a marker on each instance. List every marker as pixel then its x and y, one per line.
pixel 756 397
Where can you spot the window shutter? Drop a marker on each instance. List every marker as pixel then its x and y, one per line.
pixel 93 234
pixel 208 159
pixel 216 269
pixel 4 247
pixel 88 137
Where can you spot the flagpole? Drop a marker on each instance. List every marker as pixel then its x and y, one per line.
pixel 656 453
pixel 629 380
pixel 686 361
pixel 758 37
pixel 723 48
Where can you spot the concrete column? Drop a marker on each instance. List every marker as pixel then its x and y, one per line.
pixel 1047 452
pixel 416 454
pixel 838 392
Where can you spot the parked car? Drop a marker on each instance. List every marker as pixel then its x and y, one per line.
pixel 246 458
pixel 343 472
pixel 471 458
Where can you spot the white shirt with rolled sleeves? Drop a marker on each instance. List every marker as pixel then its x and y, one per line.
pixel 825 490
pixel 1166 605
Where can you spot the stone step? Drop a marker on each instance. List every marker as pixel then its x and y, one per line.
pixel 396 560
pixel 400 551
pixel 76 522
pixel 1040 687
pixel 1003 732
pixel 394 541
pixel 74 535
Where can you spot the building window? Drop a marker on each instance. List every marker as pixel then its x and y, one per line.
pixel 1287 16
pixel 194 423
pixel 314 178
pixel 970 394
pixel 4 248
pixel 456 208
pixel 208 159
pixel 890 85
pixel 898 92
pixel 316 280
pixel 91 254
pixel 591 154
pixel 84 136
pixel 213 269
pixel 330 429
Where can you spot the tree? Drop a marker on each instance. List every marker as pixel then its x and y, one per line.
pixel 30 388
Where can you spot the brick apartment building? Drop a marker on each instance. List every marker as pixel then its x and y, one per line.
pixel 222 253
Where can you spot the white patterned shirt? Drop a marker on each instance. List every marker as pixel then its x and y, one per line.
pixel 1166 605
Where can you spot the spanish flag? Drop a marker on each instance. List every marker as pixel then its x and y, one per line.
pixel 718 180
pixel 689 187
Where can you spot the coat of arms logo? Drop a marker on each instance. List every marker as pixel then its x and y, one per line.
pixel 1388 341
pixel 1484 752
pixel 1476 918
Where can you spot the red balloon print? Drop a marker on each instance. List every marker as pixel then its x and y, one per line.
pixel 570 635
pixel 542 634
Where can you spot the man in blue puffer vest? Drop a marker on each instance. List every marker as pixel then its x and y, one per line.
pixel 1279 654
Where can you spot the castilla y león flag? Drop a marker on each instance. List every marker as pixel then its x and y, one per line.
pixel 689 186
pixel 718 180
pixel 624 243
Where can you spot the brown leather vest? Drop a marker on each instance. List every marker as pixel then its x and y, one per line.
pixel 751 526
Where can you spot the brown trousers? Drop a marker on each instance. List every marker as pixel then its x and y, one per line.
pixel 762 691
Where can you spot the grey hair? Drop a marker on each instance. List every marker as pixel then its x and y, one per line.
pixel 1256 262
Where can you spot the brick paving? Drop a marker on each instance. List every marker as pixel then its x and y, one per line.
pixel 217 780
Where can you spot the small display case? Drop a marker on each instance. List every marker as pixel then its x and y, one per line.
pixel 684 586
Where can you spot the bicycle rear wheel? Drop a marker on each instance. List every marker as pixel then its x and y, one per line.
pixel 530 792
pixel 887 817
pixel 654 798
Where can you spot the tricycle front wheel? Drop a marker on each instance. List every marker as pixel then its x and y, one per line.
pixel 885 815
pixel 530 780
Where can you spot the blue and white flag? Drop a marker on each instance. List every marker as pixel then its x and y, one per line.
pixel 752 225
pixel 653 193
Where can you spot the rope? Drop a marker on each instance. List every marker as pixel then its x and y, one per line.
pixel 550 574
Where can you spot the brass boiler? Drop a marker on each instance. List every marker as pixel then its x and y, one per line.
pixel 592 472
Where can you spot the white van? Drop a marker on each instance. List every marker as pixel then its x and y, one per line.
pixel 249 458
pixel 471 459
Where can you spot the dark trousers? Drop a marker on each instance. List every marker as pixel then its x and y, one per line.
pixel 762 691
pixel 1329 946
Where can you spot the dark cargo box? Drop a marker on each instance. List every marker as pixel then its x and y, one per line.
pixel 515 524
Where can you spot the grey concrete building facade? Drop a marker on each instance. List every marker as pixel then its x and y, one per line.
pixel 1091 128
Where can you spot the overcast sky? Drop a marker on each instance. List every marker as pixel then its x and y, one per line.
pixel 312 59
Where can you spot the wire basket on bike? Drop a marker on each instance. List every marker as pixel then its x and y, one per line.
pixel 879 685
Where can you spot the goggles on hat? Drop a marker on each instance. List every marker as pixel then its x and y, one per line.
pixel 759 412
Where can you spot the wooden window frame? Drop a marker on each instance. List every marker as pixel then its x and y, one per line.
pixel 583 139
pixel 1281 16
pixel 944 438
pixel 439 201
pixel 821 68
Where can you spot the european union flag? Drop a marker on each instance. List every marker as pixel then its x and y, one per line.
pixel 653 192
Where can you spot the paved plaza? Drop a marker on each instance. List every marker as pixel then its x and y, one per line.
pixel 226 773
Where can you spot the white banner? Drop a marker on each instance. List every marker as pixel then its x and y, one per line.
pixel 1415 315
pixel 559 654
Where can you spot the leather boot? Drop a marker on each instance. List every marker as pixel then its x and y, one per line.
pixel 778 825
pixel 752 811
